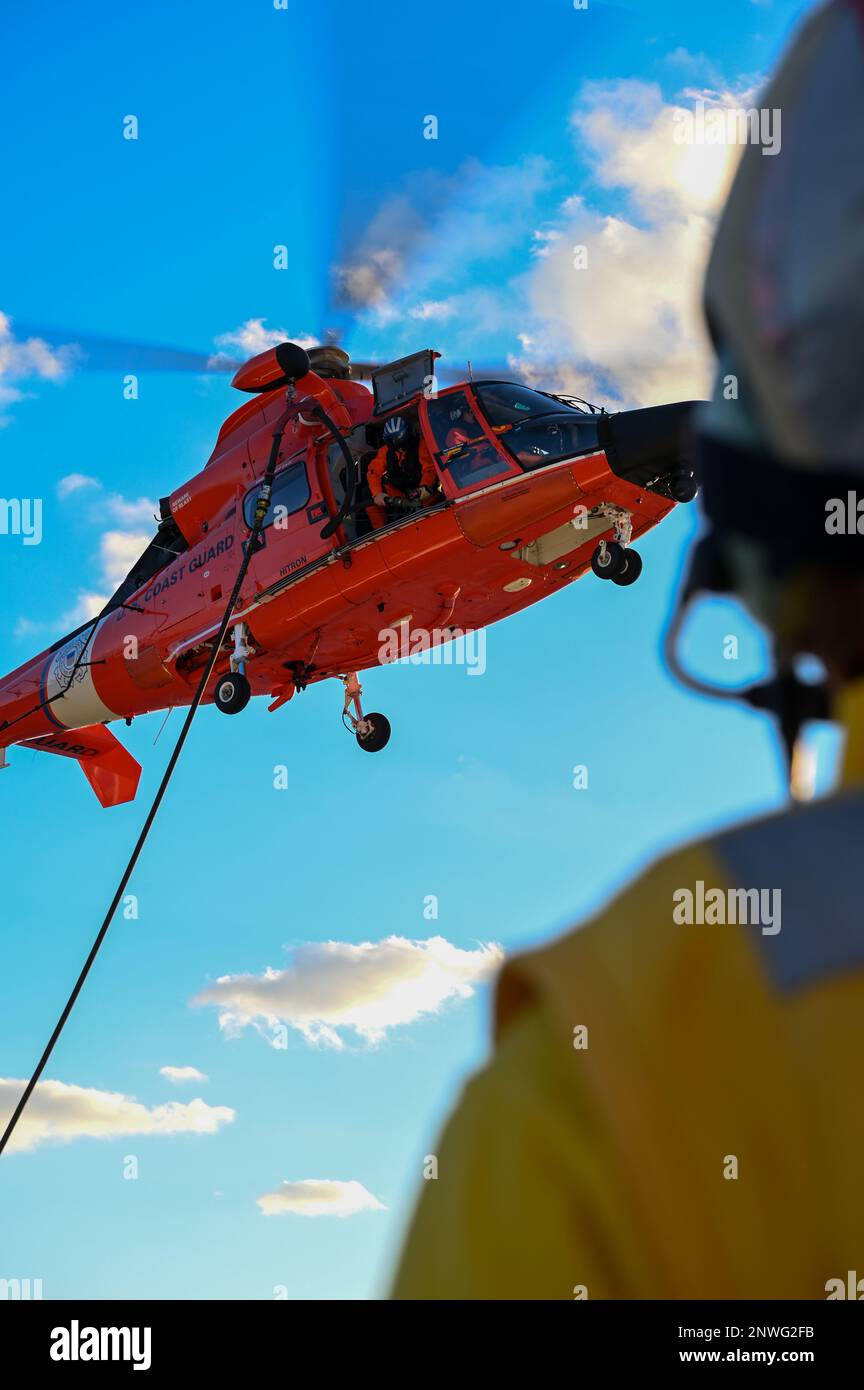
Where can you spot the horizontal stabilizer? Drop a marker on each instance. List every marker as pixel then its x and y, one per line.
pixel 111 771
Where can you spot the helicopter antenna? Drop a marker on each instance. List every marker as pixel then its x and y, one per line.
pixel 470 372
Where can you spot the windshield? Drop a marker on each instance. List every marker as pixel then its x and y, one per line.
pixel 504 403
pixel 541 441
pixel 535 429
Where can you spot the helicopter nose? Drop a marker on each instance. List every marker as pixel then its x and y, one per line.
pixel 652 443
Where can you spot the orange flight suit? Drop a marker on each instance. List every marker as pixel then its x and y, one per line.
pixel 377 484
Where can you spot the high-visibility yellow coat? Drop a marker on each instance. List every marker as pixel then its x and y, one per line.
pixel 675 1104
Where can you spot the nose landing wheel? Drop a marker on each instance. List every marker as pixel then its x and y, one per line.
pixel 631 571
pixel 611 561
pixel 608 560
pixel 614 559
pixel 372 731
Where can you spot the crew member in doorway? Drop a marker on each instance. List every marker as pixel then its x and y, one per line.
pixel 401 476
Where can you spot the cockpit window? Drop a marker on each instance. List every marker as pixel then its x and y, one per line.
pixel 463 447
pixel 290 493
pixel 504 403
pixel 537 442
pixel 534 428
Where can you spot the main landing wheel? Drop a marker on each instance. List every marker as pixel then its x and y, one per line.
pixel 608 560
pixel 632 568
pixel 232 693
pixel 377 733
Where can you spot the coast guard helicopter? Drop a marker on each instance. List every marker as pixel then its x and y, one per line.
pixel 525 492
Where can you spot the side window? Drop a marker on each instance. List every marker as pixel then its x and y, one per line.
pixel 290 493
pixel 453 421
pixel 463 447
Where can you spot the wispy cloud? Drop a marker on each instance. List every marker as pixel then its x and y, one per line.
pixel 118 549
pixel 139 511
pixel 117 553
pixel 58 1112
pixel 75 482
pixel 335 986
pixel 26 359
pixel 628 323
pixel 318 1197
pixel 253 337
pixel 180 1075
pixel 626 327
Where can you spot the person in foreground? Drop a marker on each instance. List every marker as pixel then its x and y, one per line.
pixel 672 1109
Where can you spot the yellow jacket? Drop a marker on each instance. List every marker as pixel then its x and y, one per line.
pixel 674 1105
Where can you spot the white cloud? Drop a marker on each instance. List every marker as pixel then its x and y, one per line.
pixel 88 605
pixel 27 357
pixel 253 337
pixel 22 359
pixel 179 1075
pixel 118 551
pixel 434 309
pixel 628 132
pixel 626 330
pixel 318 1197
pixel 9 395
pixel 336 985
pixel 138 512
pixel 74 482
pixel 57 1113
pixel 630 324
pixel 127 511
pixel 120 547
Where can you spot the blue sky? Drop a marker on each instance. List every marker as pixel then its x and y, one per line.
pixel 261 127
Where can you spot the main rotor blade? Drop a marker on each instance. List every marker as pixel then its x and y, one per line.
pixel 95 353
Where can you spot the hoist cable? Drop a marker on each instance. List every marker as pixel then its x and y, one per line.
pixel 261 509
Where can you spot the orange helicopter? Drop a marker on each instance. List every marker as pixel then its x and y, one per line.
pixel 525 492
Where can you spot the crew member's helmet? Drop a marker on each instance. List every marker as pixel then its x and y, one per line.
pixel 784 435
pixel 395 430
pixel 782 442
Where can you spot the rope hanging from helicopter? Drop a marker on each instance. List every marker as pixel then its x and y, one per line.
pixel 261 508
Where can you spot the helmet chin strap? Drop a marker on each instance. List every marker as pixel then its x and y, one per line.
pixel 791 701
